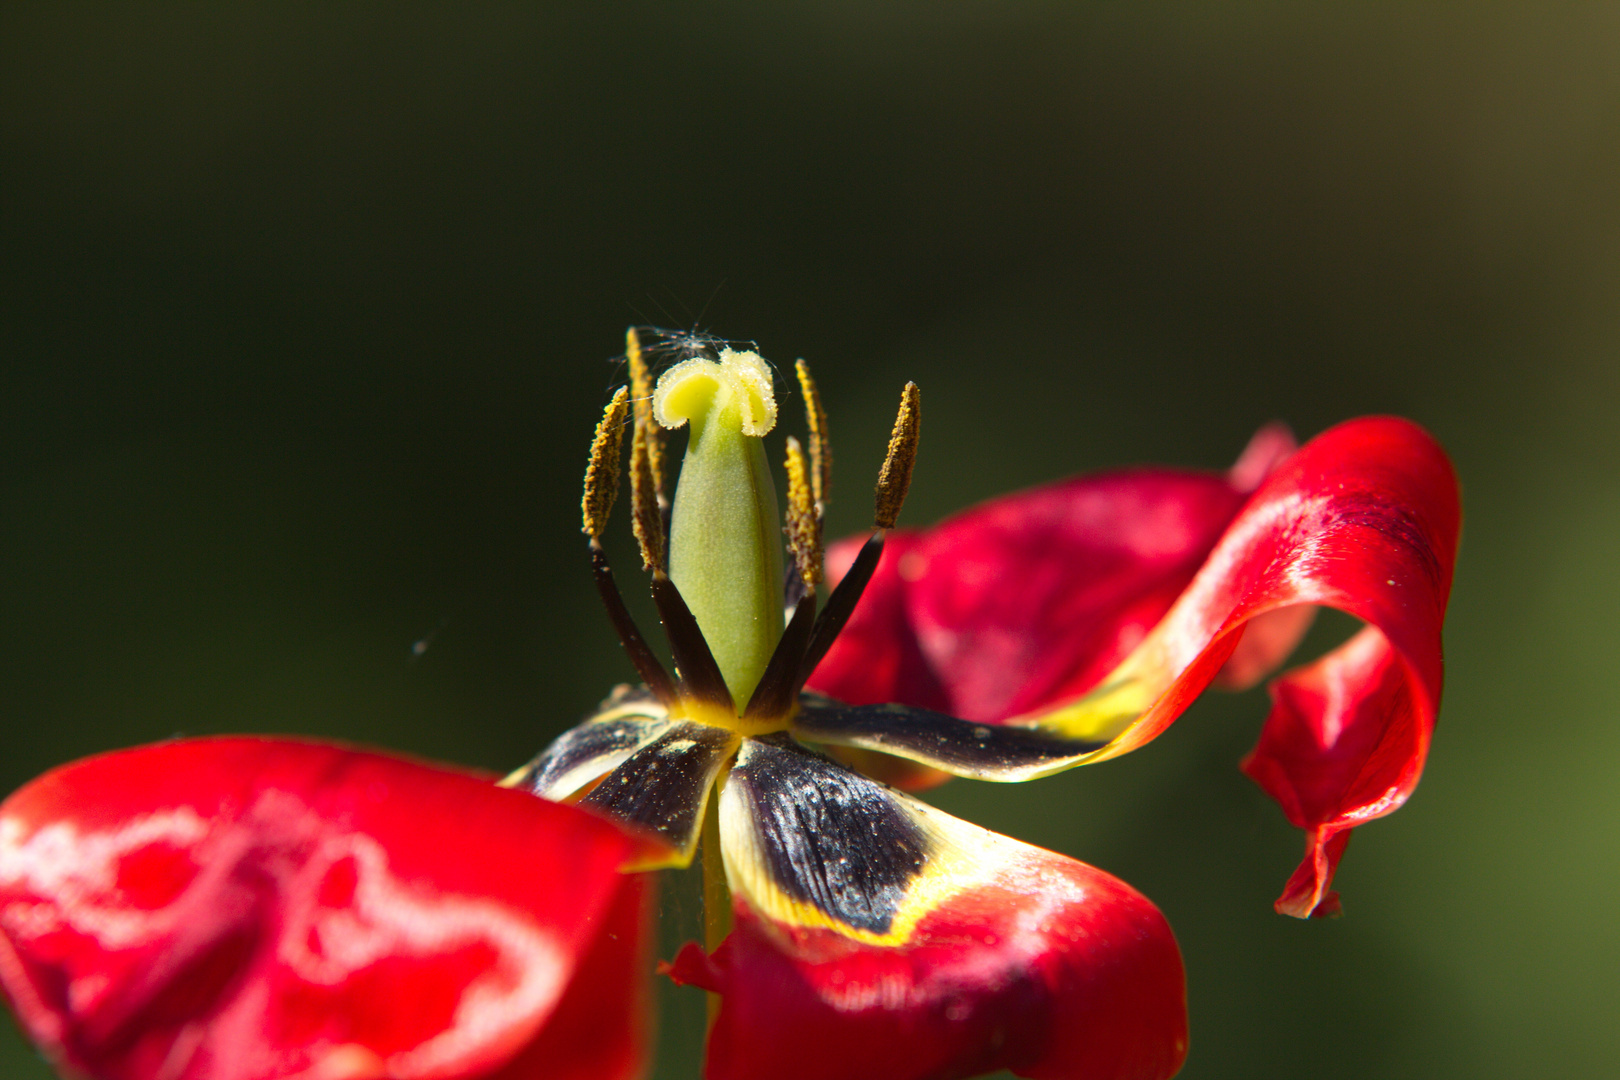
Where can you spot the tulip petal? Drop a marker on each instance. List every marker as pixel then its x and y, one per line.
pixel 1095 561
pixel 1033 597
pixel 244 908
pixel 1365 519
pixel 1027 599
pixel 1058 609
pixel 1341 731
pixel 662 789
pixel 877 937
pixel 1003 752
pixel 589 751
pixel 602 1028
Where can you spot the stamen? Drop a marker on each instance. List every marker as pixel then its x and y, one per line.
pixel 841 604
pixel 892 484
pixel 700 674
pixel 641 392
pixel 815 417
pixel 602 473
pixel 779 687
pixel 895 479
pixel 648 666
pixel 649 508
pixel 601 489
pixel 803 523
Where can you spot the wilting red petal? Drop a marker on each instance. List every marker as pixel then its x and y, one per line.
pixel 878 938
pixel 1057 970
pixel 238 909
pixel 1021 607
pixel 877 657
pixel 1341 731
pixel 603 1025
pixel 1032 598
pixel 1364 518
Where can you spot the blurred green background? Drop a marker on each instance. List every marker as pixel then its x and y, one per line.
pixel 306 315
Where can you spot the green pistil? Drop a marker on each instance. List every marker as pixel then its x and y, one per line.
pixel 725 537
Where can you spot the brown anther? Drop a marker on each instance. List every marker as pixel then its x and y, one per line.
pixel 648 504
pixel 803 529
pixel 602 474
pixel 895 478
pixel 647 516
pixel 820 449
pixel 641 391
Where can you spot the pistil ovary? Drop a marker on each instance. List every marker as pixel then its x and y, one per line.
pixel 725 542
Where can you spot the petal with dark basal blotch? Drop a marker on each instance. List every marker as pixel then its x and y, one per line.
pixel 877 937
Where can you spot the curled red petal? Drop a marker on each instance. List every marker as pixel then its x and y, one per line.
pixel 1033 597
pixel 1099 608
pixel 244 908
pixel 1364 518
pixel 1062 973
pixel 1345 740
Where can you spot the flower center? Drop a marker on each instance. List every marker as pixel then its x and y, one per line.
pixel 744 639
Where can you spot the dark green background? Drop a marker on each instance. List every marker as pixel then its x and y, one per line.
pixel 304 323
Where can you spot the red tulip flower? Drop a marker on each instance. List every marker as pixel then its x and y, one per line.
pixel 250 908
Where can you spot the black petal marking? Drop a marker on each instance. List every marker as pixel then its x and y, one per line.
pixel 579 755
pixel 960 747
pixel 663 787
pixel 826 836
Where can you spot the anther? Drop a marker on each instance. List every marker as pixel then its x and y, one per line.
pixel 602 474
pixel 601 488
pixel 803 524
pixel 649 509
pixel 892 484
pixel 815 417
pixel 641 392
pixel 895 479
pixel 646 509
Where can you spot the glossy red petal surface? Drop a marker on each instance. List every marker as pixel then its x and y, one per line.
pixel 238 909
pixel 877 657
pixel 602 1028
pixel 1032 598
pixel 1056 970
pixel 1165 582
pixel 1364 518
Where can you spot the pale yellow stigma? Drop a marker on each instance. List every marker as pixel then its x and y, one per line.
pixel 739 380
